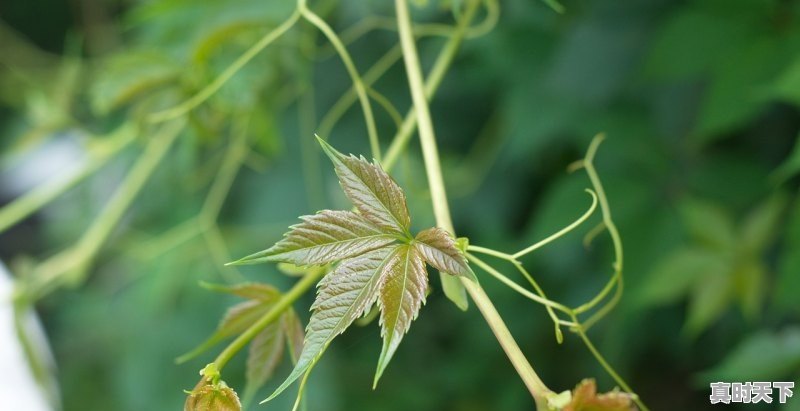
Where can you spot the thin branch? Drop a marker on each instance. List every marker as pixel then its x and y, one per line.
pixel 563 231
pixel 358 83
pixel 616 278
pixel 284 302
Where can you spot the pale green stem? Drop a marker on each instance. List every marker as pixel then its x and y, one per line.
pixel 441 210
pixel 606 366
pixel 516 287
pixel 370 23
pixel 387 106
pixel 561 232
pixel 275 311
pixel 43 194
pixel 307 122
pixel 406 129
pixel 540 291
pixel 442 213
pixel 434 79
pixel 542 296
pixel 226 75
pixel 594 232
pixel 489 251
pixel 358 83
pixel 348 98
pixel 616 278
pixel 72 264
pixel 168 240
pixel 231 163
pixel 220 255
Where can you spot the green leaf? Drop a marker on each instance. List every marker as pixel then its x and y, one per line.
pixel 761 226
pixel 787 86
pixel 402 294
pixel 765 356
pixel 239 317
pixel 323 238
pixel 439 250
pixel 264 355
pixel 788 282
pixel 708 223
pixel 371 190
pixel 344 295
pixel 708 301
pixel 791 166
pixel 126 76
pixel 674 276
pixel 750 286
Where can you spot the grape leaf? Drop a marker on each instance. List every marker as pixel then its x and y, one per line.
pixel 295 334
pixel 323 238
pixel 585 398
pixel 344 295
pixel 402 293
pixel 378 261
pixel 265 354
pixel 439 250
pixel 240 316
pixel 371 190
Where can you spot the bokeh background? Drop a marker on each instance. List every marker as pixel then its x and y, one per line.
pixel 700 101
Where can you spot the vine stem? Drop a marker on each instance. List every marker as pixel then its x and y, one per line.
pixel 436 75
pixel 358 83
pixel 441 209
pixel 70 266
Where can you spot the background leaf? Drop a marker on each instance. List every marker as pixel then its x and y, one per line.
pixel 763 356
pixel 263 357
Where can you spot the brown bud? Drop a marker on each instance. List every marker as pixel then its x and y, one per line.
pixel 212 397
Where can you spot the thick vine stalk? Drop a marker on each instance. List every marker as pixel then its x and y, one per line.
pixel 441 210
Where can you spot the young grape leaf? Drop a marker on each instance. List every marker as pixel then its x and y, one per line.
pixel 343 296
pixel 585 398
pixel 323 238
pixel 371 190
pixel 293 328
pixel 265 354
pixel 240 316
pixel 212 396
pixel 440 251
pixel 402 293
pixel 378 261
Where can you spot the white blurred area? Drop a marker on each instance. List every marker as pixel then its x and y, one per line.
pixel 22 171
pixel 19 389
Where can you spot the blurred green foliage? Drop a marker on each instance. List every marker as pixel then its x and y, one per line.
pixel 700 100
